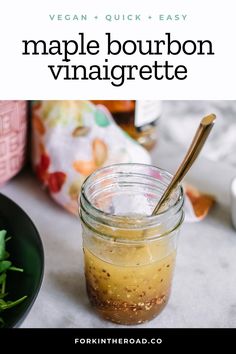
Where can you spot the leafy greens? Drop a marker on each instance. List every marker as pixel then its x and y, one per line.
pixel 5 266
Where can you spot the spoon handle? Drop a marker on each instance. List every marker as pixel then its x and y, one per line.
pixel 196 146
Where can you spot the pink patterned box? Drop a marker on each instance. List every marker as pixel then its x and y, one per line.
pixel 13 131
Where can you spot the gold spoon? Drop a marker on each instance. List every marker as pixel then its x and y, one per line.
pixel 199 139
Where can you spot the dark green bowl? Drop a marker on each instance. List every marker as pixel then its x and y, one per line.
pixel 26 251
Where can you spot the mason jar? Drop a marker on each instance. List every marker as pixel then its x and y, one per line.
pixel 129 255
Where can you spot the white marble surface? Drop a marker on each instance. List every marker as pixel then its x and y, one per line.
pixel 204 287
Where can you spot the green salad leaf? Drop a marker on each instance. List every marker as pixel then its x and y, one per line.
pixel 5 266
pixel 2 244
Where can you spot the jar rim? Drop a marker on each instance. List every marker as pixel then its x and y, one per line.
pixel 146 220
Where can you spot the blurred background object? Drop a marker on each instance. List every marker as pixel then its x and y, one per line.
pixel 13 136
pixel 70 140
pixel 179 120
pixel 233 202
pixel 138 118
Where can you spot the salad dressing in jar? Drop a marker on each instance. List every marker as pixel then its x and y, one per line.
pixel 129 257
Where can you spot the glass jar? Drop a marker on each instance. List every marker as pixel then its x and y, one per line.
pixel 129 255
pixel 138 118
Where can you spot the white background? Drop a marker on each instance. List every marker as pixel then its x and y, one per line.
pixel 27 77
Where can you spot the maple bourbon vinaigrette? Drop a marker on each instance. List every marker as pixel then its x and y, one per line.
pixel 129 257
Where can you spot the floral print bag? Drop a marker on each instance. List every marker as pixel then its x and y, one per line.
pixel 70 140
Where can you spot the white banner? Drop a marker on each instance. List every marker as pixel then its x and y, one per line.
pixel 72 49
